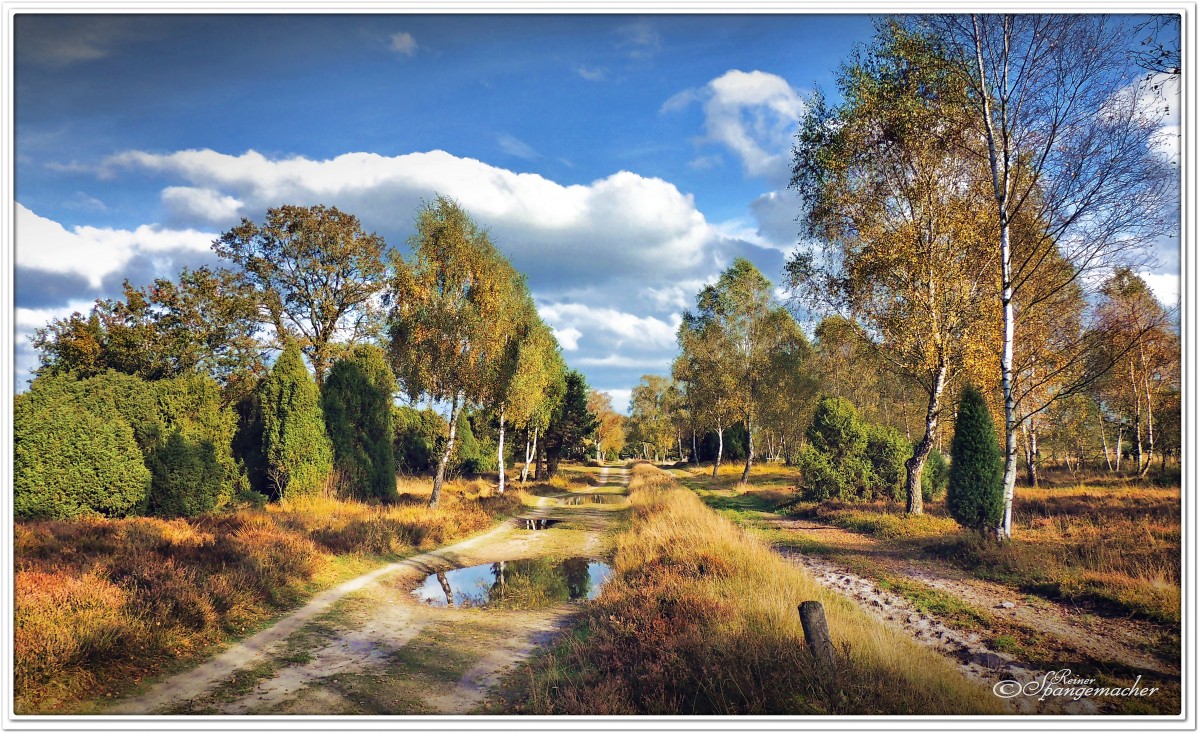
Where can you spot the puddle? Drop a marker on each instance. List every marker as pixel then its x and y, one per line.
pixel 535 523
pixel 593 499
pixel 525 584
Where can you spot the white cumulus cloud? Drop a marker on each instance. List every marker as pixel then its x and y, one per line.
pixel 752 113
pixel 1165 287
pixel 568 337
pixel 624 222
pixel 185 203
pixel 94 252
pixel 611 326
pixel 620 398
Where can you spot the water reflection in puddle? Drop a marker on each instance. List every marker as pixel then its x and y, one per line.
pixel 594 499
pixel 535 523
pixel 525 584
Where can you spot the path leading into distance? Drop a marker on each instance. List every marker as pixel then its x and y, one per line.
pixel 368 646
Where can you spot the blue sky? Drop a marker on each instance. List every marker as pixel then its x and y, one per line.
pixel 621 161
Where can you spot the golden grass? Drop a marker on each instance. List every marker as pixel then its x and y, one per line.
pixel 702 618
pixel 1117 546
pixel 101 604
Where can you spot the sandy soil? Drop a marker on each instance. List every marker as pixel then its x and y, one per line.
pixel 369 647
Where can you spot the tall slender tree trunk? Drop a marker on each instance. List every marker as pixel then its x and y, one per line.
pixel 1149 415
pixel 500 451
pixel 749 453
pixel 1006 385
pixel 1104 445
pixel 679 443
pixel 1137 421
pixel 1120 435
pixel 445 582
pixel 530 453
pixel 915 504
pixel 440 477
pixel 1031 470
pixel 720 449
pixel 695 453
pixel 999 161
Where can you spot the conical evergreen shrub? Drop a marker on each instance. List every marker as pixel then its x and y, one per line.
pixel 296 449
pixel 357 400
pixel 975 495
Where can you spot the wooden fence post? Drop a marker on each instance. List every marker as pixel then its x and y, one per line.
pixel 816 632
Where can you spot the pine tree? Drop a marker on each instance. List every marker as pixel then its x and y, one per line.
pixel 975 496
pixel 297 451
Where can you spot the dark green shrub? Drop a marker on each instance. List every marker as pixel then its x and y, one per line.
pixel 69 461
pixel 248 442
pixel 417 436
pixel 188 479
pixel 836 430
pixel 296 450
pixel 819 479
pixel 886 451
pixel 934 476
pixel 190 405
pixel 975 491
pixel 193 406
pixel 131 397
pixel 839 437
pixel 472 455
pixel 356 399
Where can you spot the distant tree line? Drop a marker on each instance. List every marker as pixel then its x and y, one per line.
pixel 278 375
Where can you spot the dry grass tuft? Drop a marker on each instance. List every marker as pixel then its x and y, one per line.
pixel 700 618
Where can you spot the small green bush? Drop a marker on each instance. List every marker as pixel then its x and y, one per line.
pixel 935 475
pixel 70 462
pixel 417 435
pixel 819 480
pixel 836 430
pixel 187 477
pixel 886 451
pixel 356 399
pixel 975 491
pixel 190 405
pixel 835 464
pixel 471 454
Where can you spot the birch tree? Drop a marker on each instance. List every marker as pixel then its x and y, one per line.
pixel 526 374
pixel 448 323
pixel 650 420
pixel 1145 374
pixel 893 202
pixel 1069 143
pixel 610 429
pixel 738 338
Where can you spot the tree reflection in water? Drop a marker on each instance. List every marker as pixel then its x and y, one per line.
pixel 523 584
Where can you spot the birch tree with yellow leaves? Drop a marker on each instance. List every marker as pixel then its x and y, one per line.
pixel 893 205
pixel 449 323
